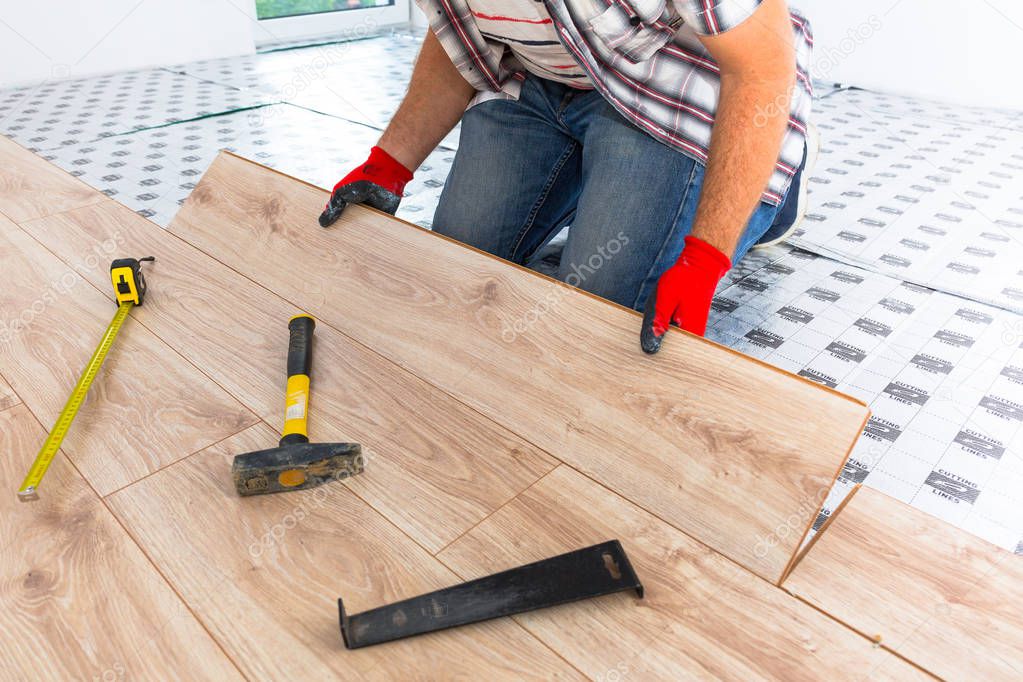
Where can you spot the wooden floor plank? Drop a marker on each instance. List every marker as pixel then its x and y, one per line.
pixel 78 600
pixel 717 443
pixel 264 574
pixel 31 187
pixel 702 617
pixel 938 596
pixel 147 407
pixel 435 467
pixel 8 398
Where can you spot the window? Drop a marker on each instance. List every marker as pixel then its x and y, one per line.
pixel 282 21
pixel 276 9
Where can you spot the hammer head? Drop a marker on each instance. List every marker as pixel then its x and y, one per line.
pixel 295 466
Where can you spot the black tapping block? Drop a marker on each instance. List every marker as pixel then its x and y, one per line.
pixel 592 572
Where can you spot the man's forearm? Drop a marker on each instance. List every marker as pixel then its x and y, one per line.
pixel 749 128
pixel 436 98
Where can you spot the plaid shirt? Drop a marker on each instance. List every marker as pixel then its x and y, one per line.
pixel 645 58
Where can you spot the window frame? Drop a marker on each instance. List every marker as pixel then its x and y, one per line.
pixel 333 25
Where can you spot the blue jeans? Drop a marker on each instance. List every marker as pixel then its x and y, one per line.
pixel 560 156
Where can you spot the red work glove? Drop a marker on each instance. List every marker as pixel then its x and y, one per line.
pixel 683 293
pixel 378 183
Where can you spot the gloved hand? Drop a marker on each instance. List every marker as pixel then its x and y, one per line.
pixel 378 183
pixel 683 293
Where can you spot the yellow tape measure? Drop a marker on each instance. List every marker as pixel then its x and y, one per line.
pixel 129 290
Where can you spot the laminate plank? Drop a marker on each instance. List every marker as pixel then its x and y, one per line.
pixel 702 617
pixel 146 408
pixel 30 187
pixel 8 398
pixel 435 467
pixel 264 574
pixel 936 595
pixel 716 443
pixel 78 599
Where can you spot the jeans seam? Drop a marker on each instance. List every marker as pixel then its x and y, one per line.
pixel 670 234
pixel 551 179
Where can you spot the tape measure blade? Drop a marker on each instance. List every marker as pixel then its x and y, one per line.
pixel 29 487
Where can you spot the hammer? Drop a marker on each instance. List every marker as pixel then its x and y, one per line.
pixel 296 464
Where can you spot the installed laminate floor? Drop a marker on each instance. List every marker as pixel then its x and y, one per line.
pixel 940 598
pixel 213 584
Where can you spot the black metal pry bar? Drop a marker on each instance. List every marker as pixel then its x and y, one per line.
pixel 592 572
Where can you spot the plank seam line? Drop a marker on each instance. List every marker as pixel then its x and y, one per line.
pixel 797 556
pixel 801 554
pixel 743 569
pixel 67 210
pixel 503 505
pixel 739 567
pixel 511 618
pixel 451 570
pixel 36 156
pixel 12 405
pixel 434 556
pixel 145 554
pixel 13 394
pixel 385 517
pixel 346 484
pixel 181 459
pixel 135 319
pixel 173 589
pixel 862 634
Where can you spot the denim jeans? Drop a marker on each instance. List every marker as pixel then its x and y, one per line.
pixel 560 156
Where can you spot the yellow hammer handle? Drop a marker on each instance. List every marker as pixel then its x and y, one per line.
pixel 300 358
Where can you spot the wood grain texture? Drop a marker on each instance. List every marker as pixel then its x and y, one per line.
pixel 78 599
pixel 264 574
pixel 8 398
pixel 702 617
pixel 435 467
pixel 944 599
pixel 146 408
pixel 31 187
pixel 714 442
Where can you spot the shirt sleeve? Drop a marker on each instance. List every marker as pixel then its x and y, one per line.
pixel 713 17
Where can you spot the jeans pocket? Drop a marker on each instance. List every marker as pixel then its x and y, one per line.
pixel 624 32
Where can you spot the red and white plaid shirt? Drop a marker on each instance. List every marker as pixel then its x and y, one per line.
pixel 645 58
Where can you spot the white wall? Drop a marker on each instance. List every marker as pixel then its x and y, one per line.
pixel 418 18
pixel 965 51
pixel 44 39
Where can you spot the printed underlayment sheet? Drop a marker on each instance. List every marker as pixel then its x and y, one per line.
pixel 931 199
pixel 898 105
pixel 61 113
pixel 153 171
pixel 943 377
